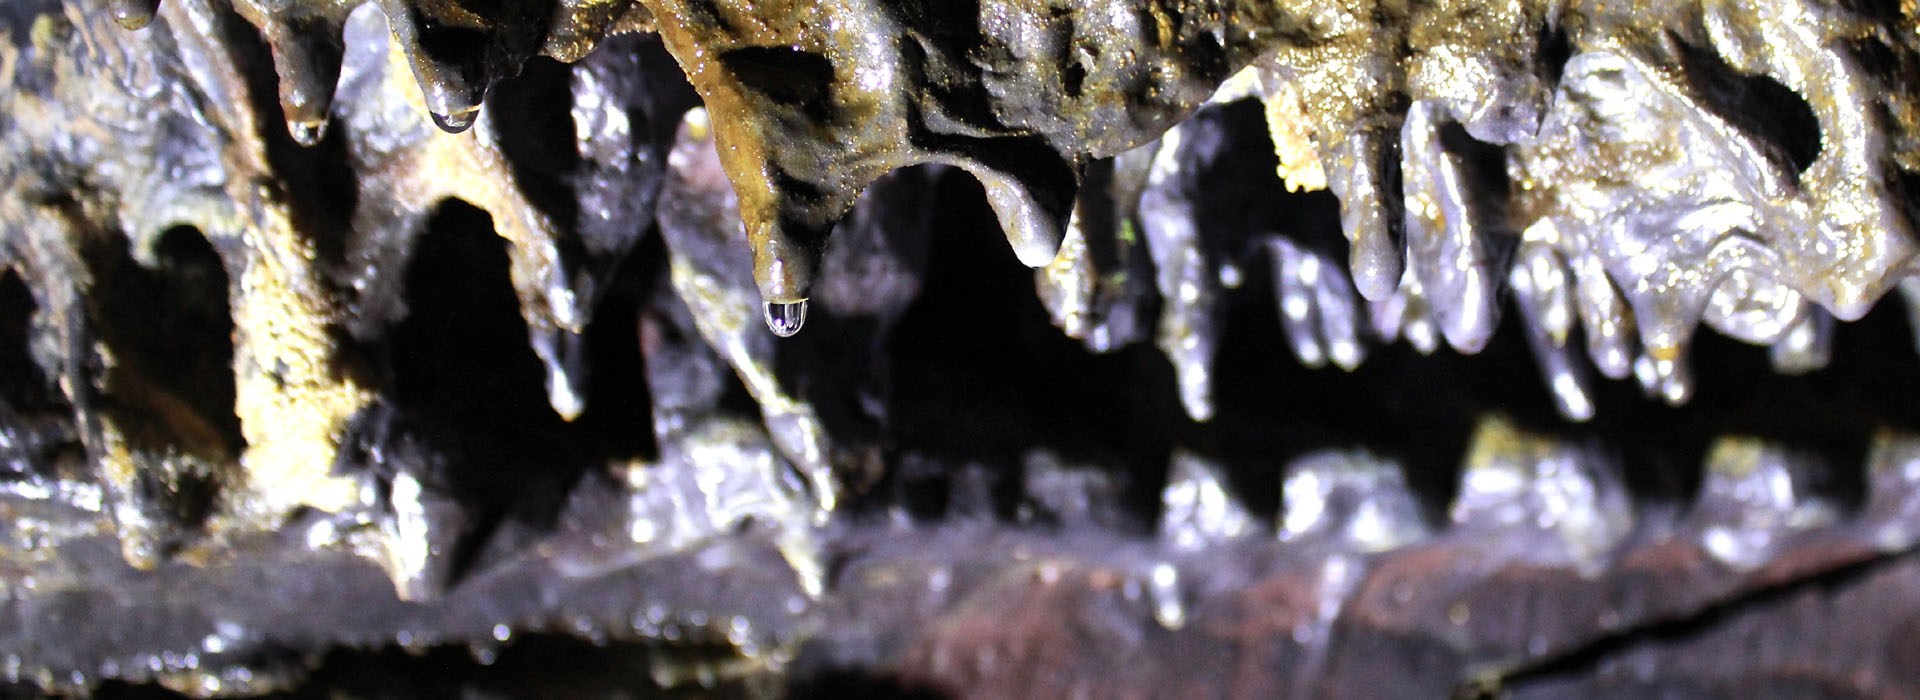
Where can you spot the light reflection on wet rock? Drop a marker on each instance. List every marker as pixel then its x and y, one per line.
pixel 605 322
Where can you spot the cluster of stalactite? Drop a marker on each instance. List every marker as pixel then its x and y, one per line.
pixel 215 217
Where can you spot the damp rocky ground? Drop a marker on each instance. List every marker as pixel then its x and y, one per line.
pixel 522 365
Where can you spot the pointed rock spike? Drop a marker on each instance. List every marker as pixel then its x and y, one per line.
pixel 307 57
pixel 1358 175
pixel 1539 283
pixel 1443 246
pixel 1032 191
pixel 1294 273
pixel 452 84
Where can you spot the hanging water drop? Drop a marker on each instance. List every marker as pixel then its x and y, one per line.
pixel 457 122
pixel 133 14
pixel 785 319
pixel 307 133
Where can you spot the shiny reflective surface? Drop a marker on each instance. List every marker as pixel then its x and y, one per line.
pixel 659 453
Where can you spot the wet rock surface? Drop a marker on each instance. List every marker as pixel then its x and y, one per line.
pixel 657 347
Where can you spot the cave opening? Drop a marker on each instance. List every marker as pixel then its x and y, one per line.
pixel 35 422
pixel 469 409
pixel 982 377
pixel 1778 119
pixel 23 386
pixel 170 330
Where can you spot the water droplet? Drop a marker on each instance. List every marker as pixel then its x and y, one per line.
pixel 786 319
pixel 502 633
pixel 456 123
pixel 134 14
pixel 307 133
pixel 132 21
pixel 1231 276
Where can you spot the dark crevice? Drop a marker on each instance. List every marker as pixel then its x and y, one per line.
pixel 170 330
pixel 201 335
pixel 35 423
pixel 1880 12
pixel 788 76
pixel 530 666
pixel 1556 48
pixel 619 403
pixel 1228 150
pixel 1587 659
pixel 1074 78
pixel 469 412
pixel 533 123
pixel 1776 118
pixel 1906 185
pixel 23 386
pixel 978 317
pixel 169 386
pixel 854 685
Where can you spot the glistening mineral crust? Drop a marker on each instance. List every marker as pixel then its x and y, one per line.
pixel 664 333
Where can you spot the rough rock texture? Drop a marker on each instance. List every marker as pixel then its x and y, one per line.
pixel 343 340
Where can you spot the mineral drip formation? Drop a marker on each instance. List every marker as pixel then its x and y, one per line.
pixel 480 312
